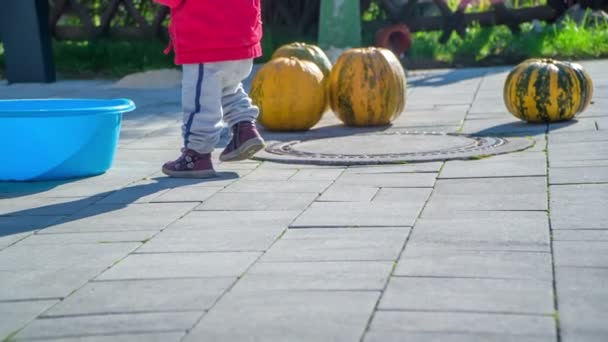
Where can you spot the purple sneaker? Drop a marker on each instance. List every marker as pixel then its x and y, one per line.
pixel 190 164
pixel 246 141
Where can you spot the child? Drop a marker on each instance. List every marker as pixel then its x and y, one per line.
pixel 215 42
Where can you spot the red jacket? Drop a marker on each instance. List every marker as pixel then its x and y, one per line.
pixel 205 31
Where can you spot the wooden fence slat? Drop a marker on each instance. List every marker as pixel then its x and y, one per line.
pixel 106 17
pixel 132 10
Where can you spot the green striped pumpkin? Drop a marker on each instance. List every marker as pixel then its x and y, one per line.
pixel 546 90
pixel 305 52
pixel 367 87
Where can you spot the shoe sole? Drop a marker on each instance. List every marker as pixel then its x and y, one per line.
pixel 246 151
pixel 189 174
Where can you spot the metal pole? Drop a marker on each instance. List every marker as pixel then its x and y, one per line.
pixel 340 24
pixel 28 50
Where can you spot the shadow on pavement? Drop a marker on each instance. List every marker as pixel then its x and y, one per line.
pixel 140 190
pixel 435 79
pixel 520 128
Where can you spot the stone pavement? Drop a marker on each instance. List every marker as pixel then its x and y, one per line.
pixel 506 248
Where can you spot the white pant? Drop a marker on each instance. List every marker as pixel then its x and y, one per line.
pixel 213 93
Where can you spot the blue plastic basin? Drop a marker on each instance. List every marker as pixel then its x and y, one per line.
pixel 58 138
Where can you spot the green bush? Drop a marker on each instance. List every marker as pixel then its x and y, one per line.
pixel 566 40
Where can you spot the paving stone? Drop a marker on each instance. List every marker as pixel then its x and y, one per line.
pixel 507 185
pixel 13 227
pixel 157 142
pixel 346 244
pixel 34 206
pixel 471 194
pixel 7 240
pixel 188 194
pixel 486 230
pixel 270 175
pixel 157 156
pixel 99 186
pixel 573 175
pixel 578 336
pixel 583 303
pixel 46 283
pixel 326 276
pixel 15 315
pixel 10 190
pixel 579 206
pixel 389 180
pixel 212 240
pixel 410 196
pixel 400 168
pixel 578 151
pixel 490 104
pixel 575 125
pixel 176 265
pixel 140 192
pixel 289 186
pixel 498 186
pixel 440 262
pixel 540 146
pixel 465 294
pixel 151 337
pixel 77 326
pixel 117 217
pixel 359 214
pixel 490 167
pixel 579 163
pixel 576 137
pixel 293 316
pixel 87 238
pixel 239 167
pixel 135 296
pixel 268 165
pixel 580 235
pixel 237 219
pixel 261 201
pixel 222 178
pixel 506 125
pixel 348 193
pixel 26 257
pixel 581 253
pixel 452 337
pixel 445 205
pixel 459 326
pixel 413 122
pixel 317 174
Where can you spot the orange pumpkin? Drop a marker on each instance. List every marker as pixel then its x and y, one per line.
pixel 290 94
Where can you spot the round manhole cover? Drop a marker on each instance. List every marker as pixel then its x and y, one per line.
pixel 387 148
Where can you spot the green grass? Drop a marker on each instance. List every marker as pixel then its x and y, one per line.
pixel 495 44
pixel 105 58
pixel 109 58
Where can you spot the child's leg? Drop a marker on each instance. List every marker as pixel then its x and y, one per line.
pixel 202 122
pixel 202 107
pixel 236 103
pixel 240 114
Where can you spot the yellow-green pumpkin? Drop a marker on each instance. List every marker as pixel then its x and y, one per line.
pixel 306 52
pixel 546 90
pixel 290 94
pixel 367 87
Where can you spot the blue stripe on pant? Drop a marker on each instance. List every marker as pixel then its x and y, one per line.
pixel 197 104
